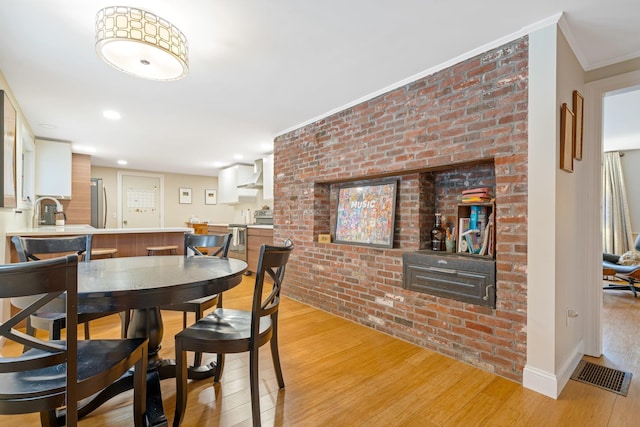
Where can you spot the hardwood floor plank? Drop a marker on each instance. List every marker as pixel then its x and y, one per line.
pixel 338 373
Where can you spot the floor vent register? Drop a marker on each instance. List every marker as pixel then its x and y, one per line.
pixel 603 377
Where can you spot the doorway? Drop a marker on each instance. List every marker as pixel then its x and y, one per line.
pixel 140 200
pixel 596 92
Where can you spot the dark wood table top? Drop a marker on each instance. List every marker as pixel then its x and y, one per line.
pixel 117 284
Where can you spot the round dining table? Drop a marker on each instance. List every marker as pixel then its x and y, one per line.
pixel 142 284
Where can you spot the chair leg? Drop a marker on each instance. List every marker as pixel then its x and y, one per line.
pixel 48 418
pixel 255 386
pixel 181 384
pixel 197 357
pixel 55 330
pixel 140 389
pixel 219 368
pixel 87 334
pixel 275 355
pixel 125 319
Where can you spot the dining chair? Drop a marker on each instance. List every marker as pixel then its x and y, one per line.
pixel 216 245
pixel 53 374
pixel 51 317
pixel 237 331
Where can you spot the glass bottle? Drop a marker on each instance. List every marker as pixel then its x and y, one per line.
pixel 438 235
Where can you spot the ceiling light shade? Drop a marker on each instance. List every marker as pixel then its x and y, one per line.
pixel 140 43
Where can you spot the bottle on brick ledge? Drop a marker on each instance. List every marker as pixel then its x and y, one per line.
pixel 438 235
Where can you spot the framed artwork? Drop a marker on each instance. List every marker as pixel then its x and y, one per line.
pixel 185 195
pixel 210 197
pixel 566 138
pixel 8 160
pixel 366 213
pixel 578 123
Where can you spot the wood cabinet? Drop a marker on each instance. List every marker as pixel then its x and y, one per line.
pixel 53 169
pixel 199 227
pixel 257 237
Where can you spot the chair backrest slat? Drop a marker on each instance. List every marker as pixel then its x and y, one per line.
pixel 219 241
pixel 272 263
pixel 28 248
pixel 45 280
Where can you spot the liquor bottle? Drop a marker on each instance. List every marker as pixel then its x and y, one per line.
pixel 438 235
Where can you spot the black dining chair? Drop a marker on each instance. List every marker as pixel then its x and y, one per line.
pixel 236 331
pixel 215 245
pixel 51 317
pixel 53 374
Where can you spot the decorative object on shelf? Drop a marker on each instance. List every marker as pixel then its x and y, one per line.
pixel 140 43
pixel 185 195
pixel 8 153
pixel 324 238
pixel 476 229
pixel 210 197
pixel 566 138
pixel 578 124
pixel 366 213
pixel 438 235
pixel 476 195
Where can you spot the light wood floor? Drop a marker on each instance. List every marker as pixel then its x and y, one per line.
pixel 338 373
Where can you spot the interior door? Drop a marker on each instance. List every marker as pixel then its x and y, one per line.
pixel 140 200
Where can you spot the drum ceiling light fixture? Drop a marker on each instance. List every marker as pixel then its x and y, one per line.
pixel 140 43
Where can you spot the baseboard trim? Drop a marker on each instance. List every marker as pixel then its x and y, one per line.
pixel 550 384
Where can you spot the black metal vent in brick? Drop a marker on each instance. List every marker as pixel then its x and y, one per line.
pixel 603 377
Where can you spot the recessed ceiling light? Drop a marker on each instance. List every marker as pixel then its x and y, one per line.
pixel 238 156
pixel 111 115
pixel 122 162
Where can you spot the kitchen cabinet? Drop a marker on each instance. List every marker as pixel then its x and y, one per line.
pixel 267 177
pixel 228 180
pixel 256 237
pixel 53 169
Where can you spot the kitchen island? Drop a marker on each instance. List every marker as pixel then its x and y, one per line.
pixel 128 241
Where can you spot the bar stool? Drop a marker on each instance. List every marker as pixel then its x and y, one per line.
pixel 172 249
pixel 111 252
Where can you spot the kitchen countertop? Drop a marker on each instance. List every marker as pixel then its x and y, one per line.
pixel 267 226
pixel 75 229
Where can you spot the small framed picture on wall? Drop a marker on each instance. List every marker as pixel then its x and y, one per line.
pixel 185 195
pixel 210 197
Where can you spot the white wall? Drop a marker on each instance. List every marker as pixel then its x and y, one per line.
pixel 177 214
pixel 558 223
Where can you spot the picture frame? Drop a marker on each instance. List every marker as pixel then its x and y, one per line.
pixel 366 213
pixel 578 124
pixel 185 196
pixel 8 123
pixel 566 138
pixel 210 197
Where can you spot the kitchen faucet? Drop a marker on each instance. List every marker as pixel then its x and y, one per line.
pixel 36 209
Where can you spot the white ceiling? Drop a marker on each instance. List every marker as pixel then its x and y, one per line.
pixel 259 67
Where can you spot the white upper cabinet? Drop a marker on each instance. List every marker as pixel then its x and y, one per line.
pixel 267 177
pixel 53 169
pixel 228 181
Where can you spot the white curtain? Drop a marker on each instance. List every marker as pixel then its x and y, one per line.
pixel 617 236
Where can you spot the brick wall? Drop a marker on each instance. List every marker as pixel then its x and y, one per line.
pixel 462 126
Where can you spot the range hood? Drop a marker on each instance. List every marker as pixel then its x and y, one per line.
pixel 255 181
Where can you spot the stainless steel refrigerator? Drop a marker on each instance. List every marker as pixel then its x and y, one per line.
pixel 98 204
